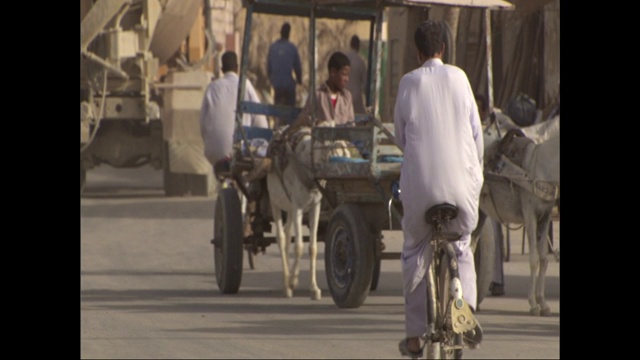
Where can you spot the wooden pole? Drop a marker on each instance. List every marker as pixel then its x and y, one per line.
pixel 487 30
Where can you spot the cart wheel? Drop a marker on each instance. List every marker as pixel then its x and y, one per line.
pixel 348 255
pixel 484 256
pixel 227 242
pixel 377 261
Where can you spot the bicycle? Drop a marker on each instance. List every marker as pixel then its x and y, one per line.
pixel 449 317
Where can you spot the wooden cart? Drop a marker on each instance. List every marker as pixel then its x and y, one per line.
pixel 358 203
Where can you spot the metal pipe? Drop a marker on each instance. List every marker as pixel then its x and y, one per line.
pixel 177 86
pixel 115 70
pixel 312 60
pixel 377 56
pixel 242 76
pixel 98 115
pixel 370 62
pixel 312 79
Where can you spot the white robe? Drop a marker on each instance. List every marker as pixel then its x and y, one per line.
pixel 438 125
pixel 217 115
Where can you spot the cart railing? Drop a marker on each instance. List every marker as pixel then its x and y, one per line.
pixel 373 154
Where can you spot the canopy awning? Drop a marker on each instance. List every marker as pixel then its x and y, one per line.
pixel 490 4
pixel 360 9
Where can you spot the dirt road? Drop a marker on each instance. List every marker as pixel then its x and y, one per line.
pixel 148 291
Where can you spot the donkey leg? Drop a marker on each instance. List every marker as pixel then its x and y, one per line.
pixel 314 218
pixel 534 308
pixel 284 248
pixel 298 246
pixel 543 227
pixel 287 245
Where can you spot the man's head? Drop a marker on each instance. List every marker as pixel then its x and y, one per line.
pixel 285 30
pixel 339 68
pixel 355 42
pixel 429 39
pixel 229 62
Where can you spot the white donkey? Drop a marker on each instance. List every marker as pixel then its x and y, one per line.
pixel 537 132
pixel 292 189
pixel 526 194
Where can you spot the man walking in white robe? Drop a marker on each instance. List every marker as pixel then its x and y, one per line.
pixel 438 126
pixel 218 112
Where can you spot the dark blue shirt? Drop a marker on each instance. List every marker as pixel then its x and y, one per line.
pixel 283 58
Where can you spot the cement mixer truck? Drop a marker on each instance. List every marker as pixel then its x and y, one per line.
pixel 128 116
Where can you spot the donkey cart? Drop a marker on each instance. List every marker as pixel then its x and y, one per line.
pixel 357 192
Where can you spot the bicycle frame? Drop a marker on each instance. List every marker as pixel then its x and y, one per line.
pixel 436 333
pixel 448 316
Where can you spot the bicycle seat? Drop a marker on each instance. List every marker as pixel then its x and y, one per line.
pixel 441 213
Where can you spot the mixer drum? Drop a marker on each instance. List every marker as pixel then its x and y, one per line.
pixel 178 16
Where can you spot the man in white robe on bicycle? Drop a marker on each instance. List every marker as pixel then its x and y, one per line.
pixel 438 125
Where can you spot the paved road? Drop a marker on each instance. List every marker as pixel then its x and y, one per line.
pixel 148 291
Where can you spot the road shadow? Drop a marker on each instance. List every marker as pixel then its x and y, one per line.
pixel 107 193
pixel 253 298
pixel 517 286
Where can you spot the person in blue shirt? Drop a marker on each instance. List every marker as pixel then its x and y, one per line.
pixel 283 61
